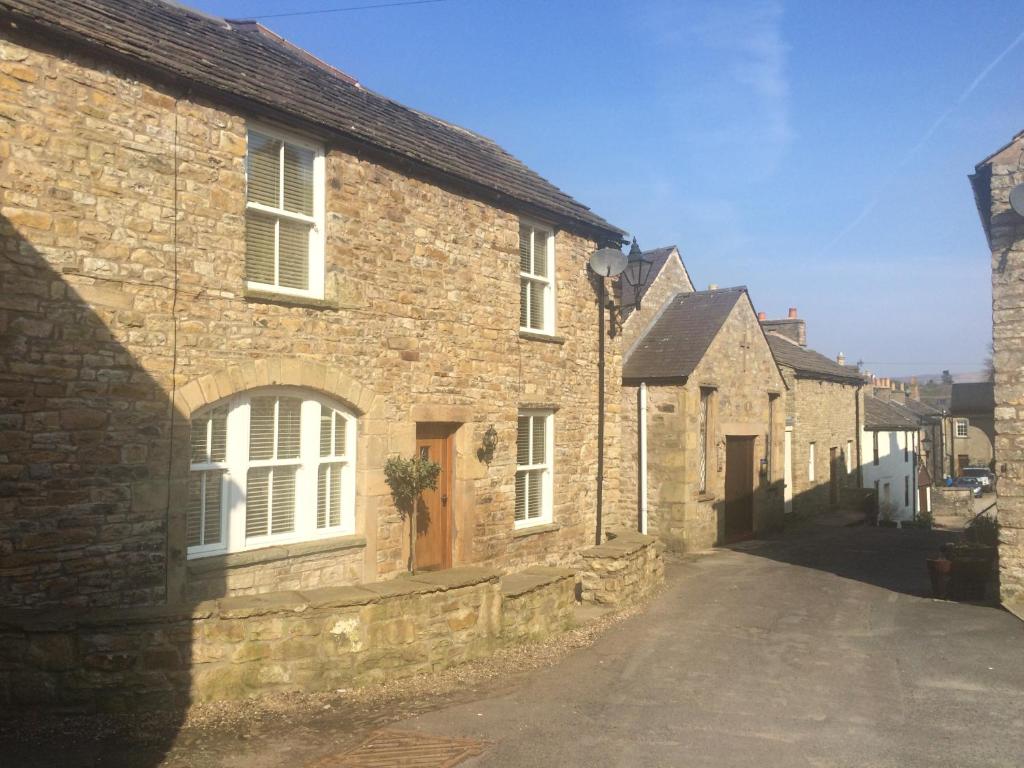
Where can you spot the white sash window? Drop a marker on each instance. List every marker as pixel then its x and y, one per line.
pixel 284 232
pixel 536 278
pixel 270 467
pixel 534 450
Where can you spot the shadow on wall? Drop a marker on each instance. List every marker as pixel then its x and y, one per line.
pixel 86 440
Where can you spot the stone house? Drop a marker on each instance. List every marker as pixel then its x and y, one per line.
pixel 891 442
pixel 701 404
pixel 235 283
pixel 993 180
pixel 971 425
pixel 824 407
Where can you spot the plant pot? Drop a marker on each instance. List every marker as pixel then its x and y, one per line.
pixel 938 571
pixel 969 577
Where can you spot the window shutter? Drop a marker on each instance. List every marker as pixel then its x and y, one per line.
pixel 536 504
pixel 282 490
pixel 540 253
pixel 262 167
pixel 298 179
pixel 520 513
pixel 261 429
pixel 524 303
pixel 289 410
pixel 293 254
pixel 326 426
pixel 194 512
pixel 260 237
pixel 539 444
pixel 524 248
pixel 257 501
pixel 523 441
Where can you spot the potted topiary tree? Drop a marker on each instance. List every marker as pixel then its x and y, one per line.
pixel 407 479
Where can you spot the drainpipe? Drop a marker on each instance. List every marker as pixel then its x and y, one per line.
pixel 642 438
pixel 602 299
pixel 856 408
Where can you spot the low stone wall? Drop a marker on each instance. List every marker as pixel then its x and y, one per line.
pixel 137 659
pixel 953 502
pixel 621 570
pixel 537 602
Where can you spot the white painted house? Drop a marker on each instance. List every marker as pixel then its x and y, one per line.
pixel 890 443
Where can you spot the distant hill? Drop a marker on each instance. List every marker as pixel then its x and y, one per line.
pixel 959 378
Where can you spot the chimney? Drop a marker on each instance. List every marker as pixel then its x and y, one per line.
pixel 915 389
pixel 761 317
pixel 713 287
pixel 792 327
pixel 841 359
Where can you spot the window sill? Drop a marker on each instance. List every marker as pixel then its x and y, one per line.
pixel 545 337
pixel 520 533
pixel 287 300
pixel 270 554
pixel 702 497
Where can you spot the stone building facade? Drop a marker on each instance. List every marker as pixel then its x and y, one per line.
pixel 702 403
pixel 824 410
pixel 127 319
pixel 993 180
pixel 971 425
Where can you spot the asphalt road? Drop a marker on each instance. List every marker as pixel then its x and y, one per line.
pixel 820 648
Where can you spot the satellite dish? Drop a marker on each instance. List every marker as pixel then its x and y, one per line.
pixel 1017 199
pixel 608 262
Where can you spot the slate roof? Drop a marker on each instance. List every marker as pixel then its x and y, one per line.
pixel 810 364
pixel 680 335
pixel 974 397
pixel 247 63
pixel 882 415
pixel 922 410
pixel 659 258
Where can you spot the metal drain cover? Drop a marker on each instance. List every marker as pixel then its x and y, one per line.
pixel 404 749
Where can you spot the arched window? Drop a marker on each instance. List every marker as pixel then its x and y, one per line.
pixel 268 467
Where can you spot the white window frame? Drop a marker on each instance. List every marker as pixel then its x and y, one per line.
pixel 548 282
pixel 547 490
pixel 238 464
pixel 810 462
pixel 849 456
pixel 957 424
pixel 318 230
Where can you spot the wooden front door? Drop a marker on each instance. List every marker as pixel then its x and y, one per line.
pixel 962 460
pixel 739 488
pixel 433 512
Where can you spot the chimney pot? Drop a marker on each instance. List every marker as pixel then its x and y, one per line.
pixel 792 313
pixel 841 359
pixel 713 287
pixel 761 316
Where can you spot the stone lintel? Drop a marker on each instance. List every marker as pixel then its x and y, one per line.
pixel 452 414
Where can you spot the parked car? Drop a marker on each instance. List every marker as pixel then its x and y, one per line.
pixel 984 475
pixel 969 482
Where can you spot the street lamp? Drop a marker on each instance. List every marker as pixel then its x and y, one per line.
pixel 636 270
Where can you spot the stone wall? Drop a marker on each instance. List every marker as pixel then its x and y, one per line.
pixel 825 413
pixel 537 602
pixel 993 183
pixel 135 659
pixel 953 502
pixel 622 570
pixel 124 310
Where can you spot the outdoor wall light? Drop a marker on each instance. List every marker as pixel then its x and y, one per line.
pixel 487 446
pixel 1017 199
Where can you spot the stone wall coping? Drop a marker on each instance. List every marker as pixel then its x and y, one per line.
pixel 216 563
pixel 246 606
pixel 620 544
pixel 523 582
pixel 535 529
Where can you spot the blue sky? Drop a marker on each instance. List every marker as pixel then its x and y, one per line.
pixel 816 152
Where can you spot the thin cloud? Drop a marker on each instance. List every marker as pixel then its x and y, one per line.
pixel 914 150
